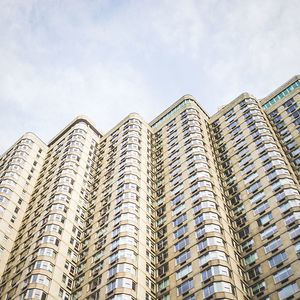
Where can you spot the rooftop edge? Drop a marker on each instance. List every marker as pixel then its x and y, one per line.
pixel 78 119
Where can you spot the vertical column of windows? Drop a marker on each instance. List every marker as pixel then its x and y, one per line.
pixel 19 169
pixel 257 171
pixel 285 119
pixel 189 223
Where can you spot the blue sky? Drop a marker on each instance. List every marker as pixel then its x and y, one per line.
pixel 105 59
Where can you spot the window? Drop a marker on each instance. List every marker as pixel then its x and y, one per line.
pixel 178 221
pixel 272 163
pixel 215 270
pixel 229 113
pixel 161 244
pixel 295 152
pixel 183 257
pixel 202 194
pixel 297 248
pixel 218 255
pixel 121 283
pixel 254 187
pixel 3 199
pixel 53 228
pixel 261 208
pixel 282 274
pixel 98 255
pixel 211 241
pixel 56 217
pixel 259 287
pixel 247 245
pixel 176 180
pixel 46 252
pixel 277 172
pixel 270 155
pixel 277 259
pixel 175 172
pixel 126 217
pixel 178 209
pixel 63 294
pixel 206 216
pixel 191 297
pixel 295 232
pixel 235 131
pixel 162 256
pixel 185 286
pixel 207 228
pixel 180 231
pixel 125 228
pixel 196 157
pixel 242 152
pixel 95 270
pixel 50 240
pixel 204 204
pixel 268 232
pixel 288 290
pixel 248 168
pixel 265 219
pixel 163 269
pixel 292 218
pixel 251 258
pixel 243 233
pixel 40 279
pixel 68 281
pixel 5 190
pixel 122 268
pixel 184 271
pixel 177 189
pixel 198 175
pixel 256 198
pixel 232 125
pixel 240 145
pixel 245 160
pixel 163 284
pixel 291 203
pixel 44 265
pixel 181 244
pixel 254 272
pixel 177 199
pixel 288 103
pixel 216 287
pixel 241 221
pixel 128 254
pixel 273 245
pixel 199 184
pixel 276 185
pixel 35 294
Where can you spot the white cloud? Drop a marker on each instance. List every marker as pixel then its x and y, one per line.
pixel 108 58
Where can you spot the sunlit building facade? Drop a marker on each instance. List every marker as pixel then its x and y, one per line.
pixel 188 207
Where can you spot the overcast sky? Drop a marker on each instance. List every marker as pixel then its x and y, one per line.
pixel 107 58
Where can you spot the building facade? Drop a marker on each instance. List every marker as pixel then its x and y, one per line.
pixel 189 206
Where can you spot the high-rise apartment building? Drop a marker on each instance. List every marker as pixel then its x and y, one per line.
pixel 187 207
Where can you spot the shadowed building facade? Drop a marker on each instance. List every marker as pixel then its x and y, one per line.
pixel 189 206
